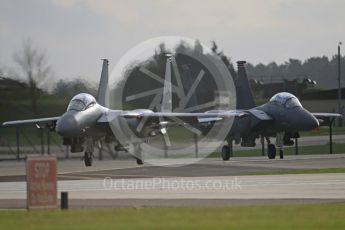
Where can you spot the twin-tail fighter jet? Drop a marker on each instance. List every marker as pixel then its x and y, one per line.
pixel 282 117
pixel 88 120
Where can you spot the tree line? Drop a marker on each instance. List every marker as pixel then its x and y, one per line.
pixel 323 70
pixel 33 65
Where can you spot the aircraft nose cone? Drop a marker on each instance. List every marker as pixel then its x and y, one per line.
pixel 313 122
pixel 306 121
pixel 67 126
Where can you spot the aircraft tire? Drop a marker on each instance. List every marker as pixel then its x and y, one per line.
pixel 281 154
pixel 226 153
pixel 139 161
pixel 88 159
pixel 271 151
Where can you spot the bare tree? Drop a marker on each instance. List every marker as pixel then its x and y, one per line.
pixel 33 64
pixel 227 60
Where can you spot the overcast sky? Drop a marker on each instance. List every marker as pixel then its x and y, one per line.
pixel 76 34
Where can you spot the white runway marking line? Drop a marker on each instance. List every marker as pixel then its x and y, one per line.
pixel 99 169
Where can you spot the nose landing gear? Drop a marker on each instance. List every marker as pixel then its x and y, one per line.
pixel 280 144
pixel 88 155
pixel 272 152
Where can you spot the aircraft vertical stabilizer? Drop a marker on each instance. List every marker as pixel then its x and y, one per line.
pixel 244 93
pixel 103 88
pixel 166 99
pixel 167 93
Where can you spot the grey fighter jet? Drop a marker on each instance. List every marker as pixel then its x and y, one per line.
pixel 282 117
pixel 86 121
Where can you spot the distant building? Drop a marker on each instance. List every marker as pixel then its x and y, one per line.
pixel 323 101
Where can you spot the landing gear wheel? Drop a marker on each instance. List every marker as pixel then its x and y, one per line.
pixel 88 159
pixel 281 154
pixel 139 161
pixel 138 155
pixel 271 151
pixel 226 153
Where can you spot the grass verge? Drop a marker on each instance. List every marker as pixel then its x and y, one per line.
pixel 303 171
pixel 302 150
pixel 311 216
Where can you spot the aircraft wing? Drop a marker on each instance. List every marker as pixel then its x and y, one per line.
pixel 190 118
pixel 39 121
pixel 154 120
pixel 321 115
pixel 326 118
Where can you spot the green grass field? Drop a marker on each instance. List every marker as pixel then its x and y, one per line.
pixel 315 216
pixel 303 171
pixel 324 131
pixel 302 150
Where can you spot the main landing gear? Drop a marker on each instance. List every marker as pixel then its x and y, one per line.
pixel 227 150
pixel 226 153
pixel 271 151
pixel 138 155
pixel 88 157
pixel 136 149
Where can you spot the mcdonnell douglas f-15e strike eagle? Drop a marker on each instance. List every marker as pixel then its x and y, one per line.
pixel 282 117
pixel 87 120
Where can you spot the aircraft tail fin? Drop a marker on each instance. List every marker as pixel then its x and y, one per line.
pixel 103 88
pixel 167 93
pixel 166 105
pixel 244 93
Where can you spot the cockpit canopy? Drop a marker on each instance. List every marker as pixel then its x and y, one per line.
pixel 285 99
pixel 81 102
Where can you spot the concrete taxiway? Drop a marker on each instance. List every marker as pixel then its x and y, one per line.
pixel 75 170
pixel 208 182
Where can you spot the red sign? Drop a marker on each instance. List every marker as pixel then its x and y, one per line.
pixel 41 182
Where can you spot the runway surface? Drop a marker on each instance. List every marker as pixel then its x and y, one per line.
pixel 209 182
pixel 117 169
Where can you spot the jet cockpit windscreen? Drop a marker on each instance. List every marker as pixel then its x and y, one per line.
pixel 285 99
pixel 81 102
